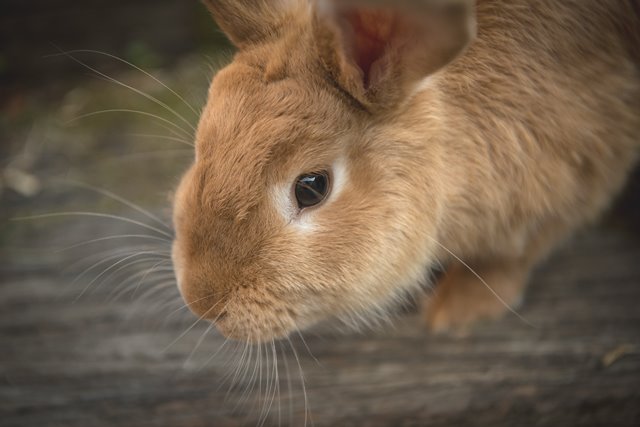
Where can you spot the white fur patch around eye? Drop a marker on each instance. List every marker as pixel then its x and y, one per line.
pixel 304 221
pixel 283 203
pixel 339 172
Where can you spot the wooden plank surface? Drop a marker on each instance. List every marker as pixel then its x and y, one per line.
pixel 102 362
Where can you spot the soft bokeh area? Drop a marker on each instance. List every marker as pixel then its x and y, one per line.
pixel 98 104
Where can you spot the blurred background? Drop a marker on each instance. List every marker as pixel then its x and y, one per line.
pixel 43 92
pixel 98 104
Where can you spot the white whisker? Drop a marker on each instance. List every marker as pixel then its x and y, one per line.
pixel 288 374
pixel 146 73
pixel 234 373
pixel 103 260
pixel 133 89
pixel 186 305
pixel 175 126
pixel 271 389
pixel 198 344
pixel 163 137
pixel 502 301
pixel 96 215
pixel 304 388
pixel 146 154
pixel 152 269
pixel 119 199
pixel 191 327
pixel 116 264
pixel 123 287
pixel 307 347
pixel 115 237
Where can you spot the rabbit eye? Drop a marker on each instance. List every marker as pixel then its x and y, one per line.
pixel 311 188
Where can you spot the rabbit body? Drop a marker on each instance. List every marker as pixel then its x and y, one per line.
pixel 476 137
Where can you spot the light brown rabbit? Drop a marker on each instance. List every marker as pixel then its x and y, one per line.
pixel 351 146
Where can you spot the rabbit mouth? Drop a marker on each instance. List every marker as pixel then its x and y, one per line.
pixel 254 324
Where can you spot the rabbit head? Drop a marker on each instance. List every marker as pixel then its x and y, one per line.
pixel 312 190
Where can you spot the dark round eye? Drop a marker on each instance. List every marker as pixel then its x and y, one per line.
pixel 311 188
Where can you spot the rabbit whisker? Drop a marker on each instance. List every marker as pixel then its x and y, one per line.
pixel 146 274
pixel 135 112
pixel 131 88
pixel 114 237
pixel 272 384
pixel 163 137
pixel 213 356
pixel 234 372
pixel 302 382
pixel 198 344
pixel 250 384
pixel 103 257
pixel 104 260
pixel 147 154
pixel 499 298
pixel 186 305
pixel 127 265
pixel 307 347
pixel 96 215
pixel 146 73
pixel 287 375
pixel 203 336
pixel 191 327
pixel 117 198
pixel 123 287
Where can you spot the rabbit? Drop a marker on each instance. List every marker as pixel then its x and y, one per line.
pixel 350 147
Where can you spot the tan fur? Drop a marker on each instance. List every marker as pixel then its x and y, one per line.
pixel 524 137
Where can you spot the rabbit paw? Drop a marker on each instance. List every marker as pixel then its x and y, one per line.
pixel 461 298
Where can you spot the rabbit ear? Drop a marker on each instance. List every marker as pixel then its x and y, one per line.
pixel 383 48
pixel 250 21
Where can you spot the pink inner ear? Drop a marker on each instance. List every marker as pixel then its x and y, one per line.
pixel 373 30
